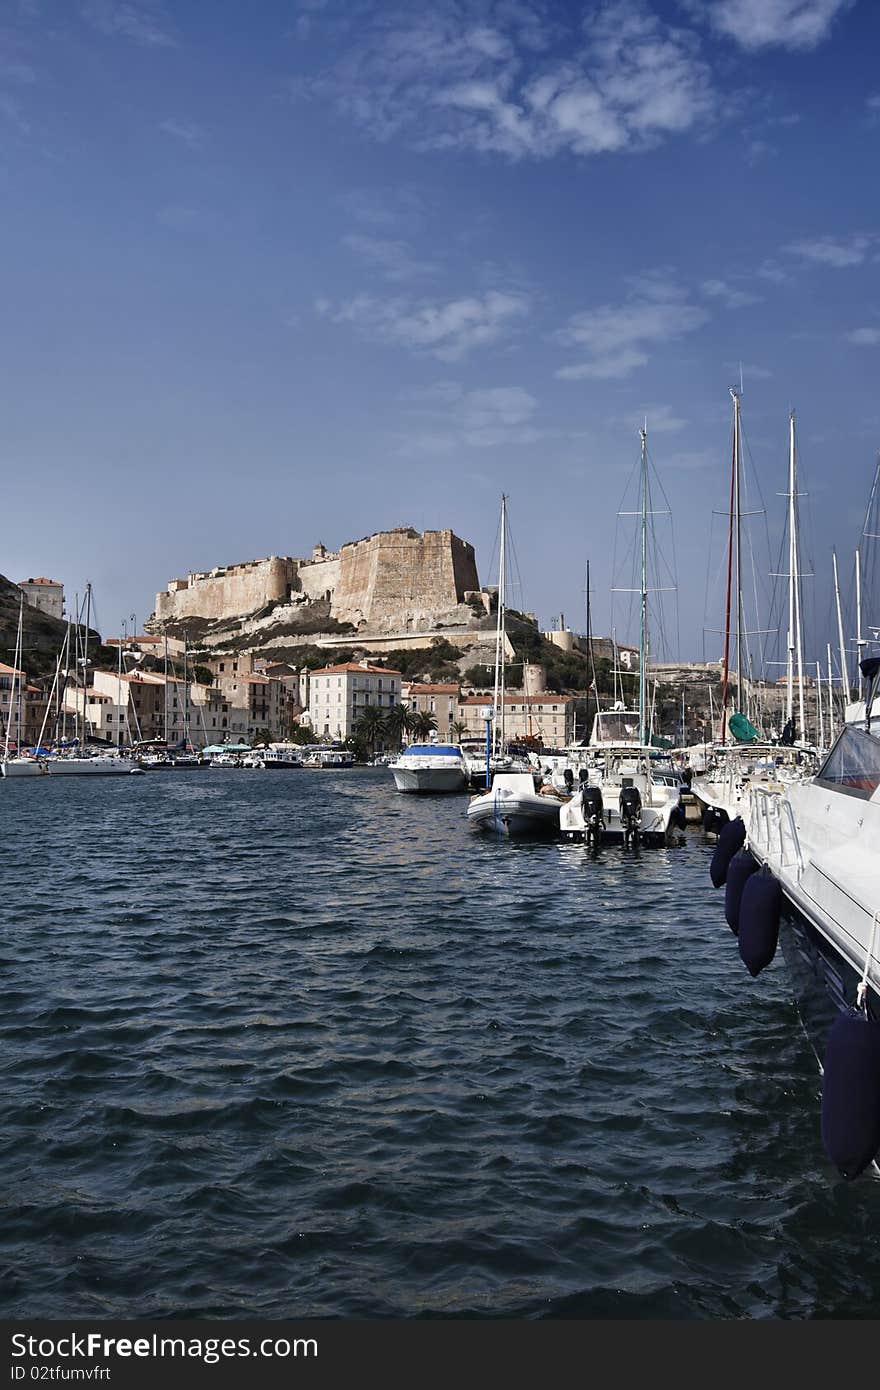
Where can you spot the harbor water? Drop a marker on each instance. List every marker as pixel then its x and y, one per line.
pixel 294 1045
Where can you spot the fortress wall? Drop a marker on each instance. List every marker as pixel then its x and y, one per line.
pixel 316 578
pixel 464 566
pixel 398 574
pixel 240 589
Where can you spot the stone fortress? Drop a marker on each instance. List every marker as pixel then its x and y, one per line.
pixel 391 583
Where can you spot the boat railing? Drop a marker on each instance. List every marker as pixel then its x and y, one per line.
pixel 773 828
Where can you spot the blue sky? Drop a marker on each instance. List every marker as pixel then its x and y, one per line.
pixel 290 272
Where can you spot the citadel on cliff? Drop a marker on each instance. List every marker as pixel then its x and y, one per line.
pixel 397 584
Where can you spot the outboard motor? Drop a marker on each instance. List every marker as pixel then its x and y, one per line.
pixel 591 805
pixel 630 814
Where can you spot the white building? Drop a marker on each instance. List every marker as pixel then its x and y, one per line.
pixel 338 696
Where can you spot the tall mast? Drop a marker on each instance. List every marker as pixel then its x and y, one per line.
pixel 165 704
pixel 15 663
pixel 844 673
pixel 19 659
pixel 643 631
pixel 737 473
pixel 185 697
pixel 792 532
pixel 830 700
pixel 799 644
pixel 119 691
pixel 819 703
pixel 498 731
pixel 85 660
pixel 725 670
pixel 503 597
pixel 860 642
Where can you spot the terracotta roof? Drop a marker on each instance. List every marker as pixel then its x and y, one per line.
pixel 356 667
pixel 428 689
pixel 10 670
pixel 42 580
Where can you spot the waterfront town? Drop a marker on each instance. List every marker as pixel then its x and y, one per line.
pixel 389 636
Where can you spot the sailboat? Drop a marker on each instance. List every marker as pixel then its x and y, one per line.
pixel 619 797
pixel 510 805
pixel 20 765
pixel 742 759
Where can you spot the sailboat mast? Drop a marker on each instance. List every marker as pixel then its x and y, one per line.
pixel 860 642
pixel 503 615
pixel 15 666
pixel 844 673
pixel 165 704
pixel 119 691
pixel 643 631
pixel 725 669
pixel 19 658
pixel 795 580
pixel 789 666
pixel 86 660
pixel 737 473
pixel 499 630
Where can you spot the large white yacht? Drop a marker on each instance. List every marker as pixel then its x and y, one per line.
pixel 430 767
pixel 821 839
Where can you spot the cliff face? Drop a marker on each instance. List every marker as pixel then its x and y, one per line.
pixel 42 635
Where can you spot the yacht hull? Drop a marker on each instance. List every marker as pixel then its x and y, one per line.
pixel 429 779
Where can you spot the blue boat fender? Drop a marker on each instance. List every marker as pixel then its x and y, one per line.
pixel 731 838
pixel 739 871
pixel 714 820
pixel 760 908
pixel 851 1093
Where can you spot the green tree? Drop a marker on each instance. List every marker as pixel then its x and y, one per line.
pixel 370 727
pixel 203 674
pixel 398 723
pixel 459 729
pixel 424 724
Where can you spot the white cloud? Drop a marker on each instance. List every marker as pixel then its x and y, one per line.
pixel 187 132
pixel 624 81
pixel 795 24
pixel 661 419
pixel 728 294
pixel 143 21
pixel 839 252
pixel 615 336
pixel 864 337
pixel 448 330
pixel 448 418
pixel 394 260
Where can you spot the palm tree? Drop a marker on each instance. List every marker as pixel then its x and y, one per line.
pixel 459 729
pixel 424 724
pixel 370 726
pixel 399 722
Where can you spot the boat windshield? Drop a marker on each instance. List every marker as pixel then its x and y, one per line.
pixel 853 765
pixel 433 750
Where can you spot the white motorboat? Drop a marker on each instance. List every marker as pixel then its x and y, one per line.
pixel 620 799
pixel 430 767
pixel 513 807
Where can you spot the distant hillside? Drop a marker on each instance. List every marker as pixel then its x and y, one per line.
pixel 42 635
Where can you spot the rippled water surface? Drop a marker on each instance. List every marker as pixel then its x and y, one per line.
pixel 291 1044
